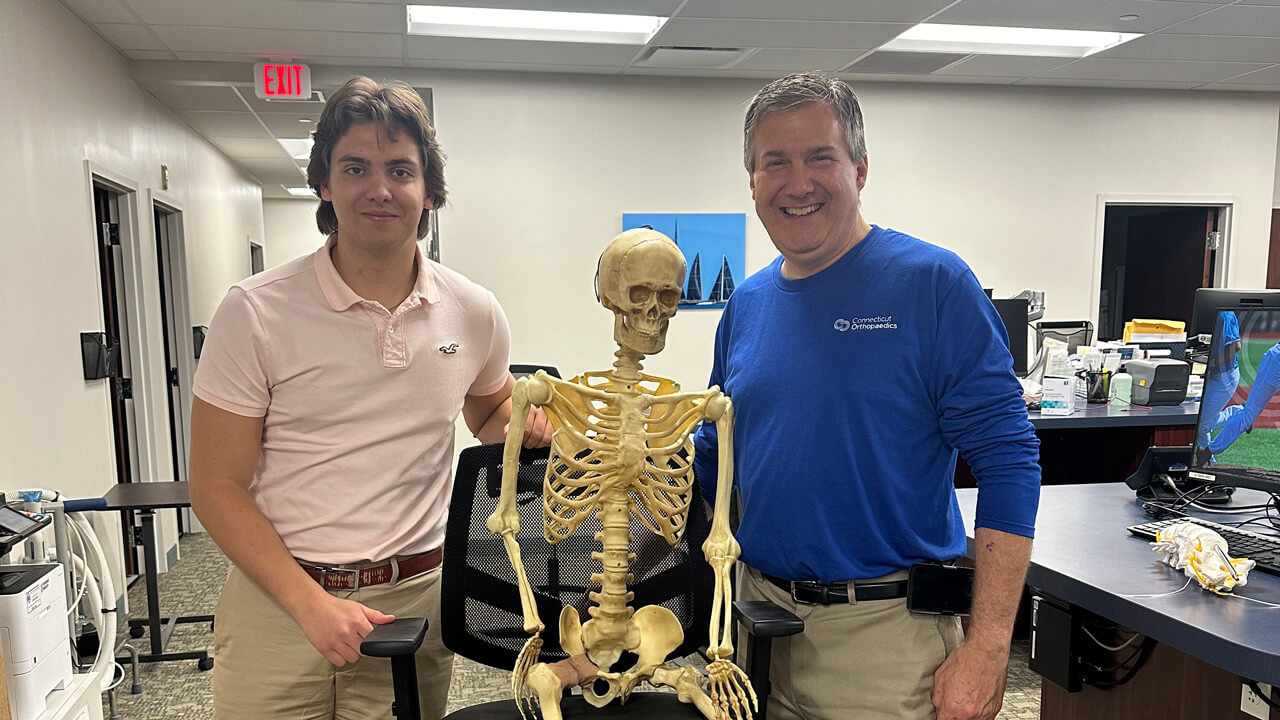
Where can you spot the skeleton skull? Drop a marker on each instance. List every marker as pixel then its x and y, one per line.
pixel 641 272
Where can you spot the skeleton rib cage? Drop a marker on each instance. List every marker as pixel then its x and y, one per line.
pixel 585 465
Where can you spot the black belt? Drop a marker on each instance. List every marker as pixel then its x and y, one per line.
pixel 812 592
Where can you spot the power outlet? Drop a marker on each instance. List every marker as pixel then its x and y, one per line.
pixel 1252 704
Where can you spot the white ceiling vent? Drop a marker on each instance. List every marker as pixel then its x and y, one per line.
pixel 693 58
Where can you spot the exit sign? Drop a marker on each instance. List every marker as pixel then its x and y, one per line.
pixel 276 81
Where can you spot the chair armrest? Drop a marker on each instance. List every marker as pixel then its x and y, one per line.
pixel 764 619
pixel 402 636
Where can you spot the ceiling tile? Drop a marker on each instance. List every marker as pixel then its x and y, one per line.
pixel 514 66
pixel 904 63
pixel 776 34
pixel 225 124
pixel 249 59
pixel 1003 66
pixel 1266 76
pixel 279 43
pixel 149 55
pixel 277 168
pixel 129 36
pixel 519 51
pixel 1157 70
pixel 96 11
pixel 286 124
pixel 197 97
pixel 944 79
pixel 238 147
pixel 782 60
pixel 287 15
pixel 899 11
pixel 1247 20
pixel 1072 15
pixel 261 105
pixel 1197 47
pixel 1135 84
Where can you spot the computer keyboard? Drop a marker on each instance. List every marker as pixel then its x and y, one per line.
pixel 1262 549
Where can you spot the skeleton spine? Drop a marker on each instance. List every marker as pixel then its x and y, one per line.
pixel 615 557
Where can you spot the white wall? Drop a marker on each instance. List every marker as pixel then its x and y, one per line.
pixel 541 168
pixel 71 100
pixel 290 227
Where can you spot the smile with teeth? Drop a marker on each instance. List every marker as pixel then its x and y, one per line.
pixel 801 211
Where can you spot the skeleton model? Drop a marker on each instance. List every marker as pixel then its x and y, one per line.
pixel 617 442
pixel 1202 554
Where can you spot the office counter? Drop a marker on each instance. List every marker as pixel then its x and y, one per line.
pixel 1102 443
pixel 1084 556
pixel 1114 415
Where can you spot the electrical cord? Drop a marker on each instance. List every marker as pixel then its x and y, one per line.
pixel 1105 646
pixel 1264 697
pixel 1139 658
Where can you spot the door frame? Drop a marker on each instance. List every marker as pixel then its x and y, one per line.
pixel 1226 205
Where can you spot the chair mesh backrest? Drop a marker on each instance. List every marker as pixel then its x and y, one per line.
pixel 480 612
pixel 1074 334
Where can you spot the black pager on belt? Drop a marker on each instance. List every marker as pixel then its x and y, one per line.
pixel 935 589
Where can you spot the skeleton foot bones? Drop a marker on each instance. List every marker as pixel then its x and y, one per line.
pixel 622 440
pixel 1202 554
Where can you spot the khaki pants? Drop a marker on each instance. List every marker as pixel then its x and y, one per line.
pixel 871 660
pixel 265 669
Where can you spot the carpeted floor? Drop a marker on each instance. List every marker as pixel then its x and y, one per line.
pixel 179 690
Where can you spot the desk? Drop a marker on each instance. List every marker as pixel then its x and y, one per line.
pixel 1102 443
pixel 1084 556
pixel 1114 415
pixel 146 498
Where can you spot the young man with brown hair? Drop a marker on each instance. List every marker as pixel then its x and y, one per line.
pixel 322 429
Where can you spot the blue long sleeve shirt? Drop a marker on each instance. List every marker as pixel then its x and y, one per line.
pixel 854 389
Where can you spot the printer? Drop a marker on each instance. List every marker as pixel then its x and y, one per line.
pixel 33 629
pixel 1158 381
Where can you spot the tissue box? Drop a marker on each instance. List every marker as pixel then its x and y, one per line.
pixel 1059 395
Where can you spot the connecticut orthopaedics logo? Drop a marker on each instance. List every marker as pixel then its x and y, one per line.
pixel 880 322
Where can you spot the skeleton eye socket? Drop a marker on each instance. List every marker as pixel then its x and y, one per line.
pixel 640 293
pixel 669 297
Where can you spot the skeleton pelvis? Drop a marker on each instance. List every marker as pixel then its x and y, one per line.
pixel 652 634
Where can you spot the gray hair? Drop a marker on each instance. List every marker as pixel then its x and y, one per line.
pixel 806 88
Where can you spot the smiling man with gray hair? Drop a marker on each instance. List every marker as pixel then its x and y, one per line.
pixel 862 361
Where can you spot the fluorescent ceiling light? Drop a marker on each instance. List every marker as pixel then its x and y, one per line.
pixel 298 148
pixel 990 40
pixel 532 25
pixel 301 191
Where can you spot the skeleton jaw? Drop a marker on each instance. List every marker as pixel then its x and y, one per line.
pixel 640 334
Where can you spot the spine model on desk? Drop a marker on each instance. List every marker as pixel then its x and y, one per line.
pixel 1202 554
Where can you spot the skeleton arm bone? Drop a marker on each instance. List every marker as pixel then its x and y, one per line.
pixel 721 548
pixel 505 519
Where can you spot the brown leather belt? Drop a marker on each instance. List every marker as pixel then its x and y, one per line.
pixel 336 578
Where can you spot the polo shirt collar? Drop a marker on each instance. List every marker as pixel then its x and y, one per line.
pixel 340 296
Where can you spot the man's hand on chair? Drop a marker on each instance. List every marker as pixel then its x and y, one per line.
pixel 336 627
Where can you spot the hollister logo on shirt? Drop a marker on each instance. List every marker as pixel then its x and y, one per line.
pixel 878 322
pixel 449 349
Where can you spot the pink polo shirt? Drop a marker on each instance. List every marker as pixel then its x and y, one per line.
pixel 359 402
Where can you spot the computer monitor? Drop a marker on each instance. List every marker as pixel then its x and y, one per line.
pixel 1238 430
pixel 1208 300
pixel 1013 313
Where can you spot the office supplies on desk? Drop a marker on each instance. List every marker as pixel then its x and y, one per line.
pixel 1058 395
pixel 1241 543
pixel 1158 381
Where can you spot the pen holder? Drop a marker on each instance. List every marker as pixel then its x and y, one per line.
pixel 1097 385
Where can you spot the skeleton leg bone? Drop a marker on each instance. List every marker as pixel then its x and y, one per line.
pixel 688 684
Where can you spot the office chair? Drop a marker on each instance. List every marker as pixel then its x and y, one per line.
pixel 520 371
pixel 480 604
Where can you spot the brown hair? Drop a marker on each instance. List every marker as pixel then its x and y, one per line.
pixel 806 88
pixel 396 106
